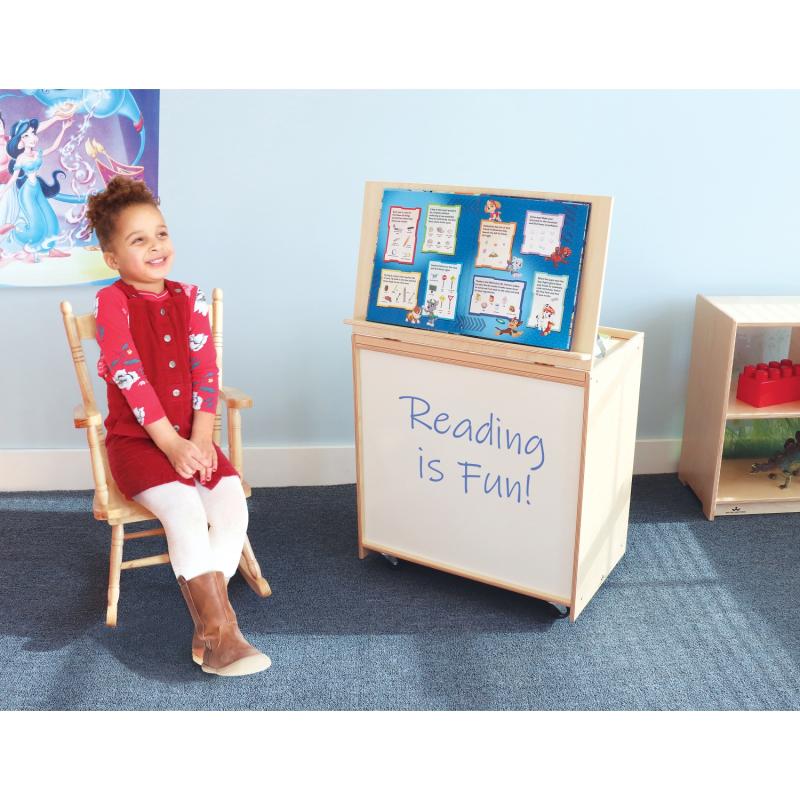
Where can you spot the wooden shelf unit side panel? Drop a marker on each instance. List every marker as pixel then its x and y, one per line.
pixel 612 414
pixel 713 342
pixel 359 476
pixel 794 345
pixel 587 312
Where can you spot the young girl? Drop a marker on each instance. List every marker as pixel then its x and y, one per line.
pixel 159 362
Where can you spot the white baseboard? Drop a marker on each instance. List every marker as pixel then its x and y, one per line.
pixel 655 456
pixel 44 470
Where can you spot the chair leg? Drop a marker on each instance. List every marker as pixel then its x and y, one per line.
pixel 251 571
pixel 115 562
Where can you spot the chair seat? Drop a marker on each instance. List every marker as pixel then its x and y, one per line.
pixel 121 511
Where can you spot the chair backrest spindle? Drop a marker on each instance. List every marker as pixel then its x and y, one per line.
pixel 78 328
pixel 73 326
pixel 216 333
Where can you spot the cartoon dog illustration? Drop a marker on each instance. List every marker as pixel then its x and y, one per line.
pixel 559 255
pixel 511 330
pixel 414 315
pixel 492 208
pixel 430 311
pixel 544 321
pixel 514 267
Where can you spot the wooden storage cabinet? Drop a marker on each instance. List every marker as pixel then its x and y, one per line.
pixel 726 486
pixel 564 561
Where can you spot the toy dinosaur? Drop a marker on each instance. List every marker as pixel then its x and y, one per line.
pixel 784 460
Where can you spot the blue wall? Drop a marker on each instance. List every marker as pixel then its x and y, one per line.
pixel 263 193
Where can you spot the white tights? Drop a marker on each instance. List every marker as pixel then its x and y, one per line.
pixel 205 528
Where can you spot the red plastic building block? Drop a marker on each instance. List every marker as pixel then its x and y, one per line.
pixel 769 384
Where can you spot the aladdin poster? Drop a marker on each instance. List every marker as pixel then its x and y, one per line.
pixel 58 146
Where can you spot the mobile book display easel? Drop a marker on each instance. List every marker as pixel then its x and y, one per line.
pixel 506 463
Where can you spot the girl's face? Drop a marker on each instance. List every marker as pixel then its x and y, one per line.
pixel 29 139
pixel 141 249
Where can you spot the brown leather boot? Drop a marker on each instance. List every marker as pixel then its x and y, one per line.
pixel 198 645
pixel 224 650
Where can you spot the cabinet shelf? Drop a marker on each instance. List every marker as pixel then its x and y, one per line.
pixel 740 410
pixel 738 485
pixel 744 492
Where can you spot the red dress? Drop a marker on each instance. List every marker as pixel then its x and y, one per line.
pixel 158 359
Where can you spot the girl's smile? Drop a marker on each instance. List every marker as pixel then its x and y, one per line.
pixel 141 250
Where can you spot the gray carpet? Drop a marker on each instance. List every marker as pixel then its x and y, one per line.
pixel 697 615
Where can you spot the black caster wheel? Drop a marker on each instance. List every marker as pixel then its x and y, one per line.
pixel 561 611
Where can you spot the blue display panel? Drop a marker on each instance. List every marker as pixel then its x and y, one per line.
pixel 495 267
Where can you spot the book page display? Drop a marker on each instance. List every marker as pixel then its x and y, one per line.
pixel 490 266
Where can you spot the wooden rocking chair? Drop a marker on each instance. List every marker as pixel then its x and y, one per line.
pixel 109 503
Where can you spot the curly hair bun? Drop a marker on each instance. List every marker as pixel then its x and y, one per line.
pixel 103 208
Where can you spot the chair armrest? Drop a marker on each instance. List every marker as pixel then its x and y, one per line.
pixel 234 398
pixel 86 416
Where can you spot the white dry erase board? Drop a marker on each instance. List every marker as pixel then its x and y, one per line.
pixel 473 470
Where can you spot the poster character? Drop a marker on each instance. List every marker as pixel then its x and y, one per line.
pixel 9 208
pixel 36 228
pixel 544 321
pixel 414 315
pixel 430 311
pixel 511 330
pixel 559 255
pixel 492 208
pixel 514 266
